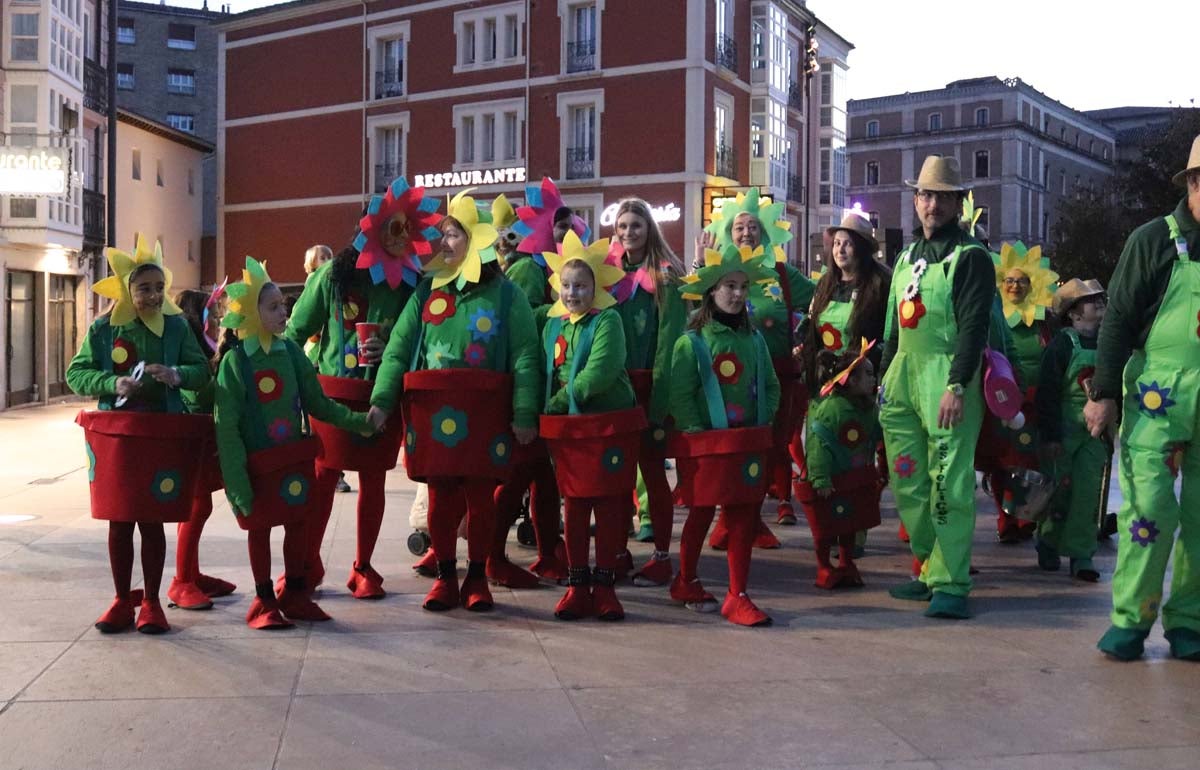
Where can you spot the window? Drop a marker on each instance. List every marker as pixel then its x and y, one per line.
pixel 467 43
pixel 581 37
pixel 1062 133
pixel 158 172
pixel 137 164
pixel 579 125
pixel 873 216
pixel 512 36
pixel 981 116
pixel 125 76
pixel 512 139
pixel 181 81
pixel 1062 179
pixel 388 48
pixel 872 172
pixel 982 164
pixel 22 208
pixel 388 134
pixel 24 37
pixel 89 37
pixel 872 128
pixel 489 39
pixel 182 122
pixel 490 133
pixel 488 145
pixel 935 121
pixel 23 104
pixel 1104 152
pixel 191 183
pixel 466 139
pixel 182 36
pixel 725 164
pixel 490 36
pixel 1091 146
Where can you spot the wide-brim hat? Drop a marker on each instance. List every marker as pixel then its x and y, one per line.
pixel 1193 163
pixel 860 226
pixel 1074 290
pixel 938 174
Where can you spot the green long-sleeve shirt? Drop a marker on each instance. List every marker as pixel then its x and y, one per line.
pixel 322 310
pixel 601 384
pixel 1136 294
pixel 735 357
pixel 284 382
pixel 974 287
pixel 841 437
pixel 131 343
pixel 773 317
pixel 652 323
pixel 462 329
pixel 531 278
pixel 1050 396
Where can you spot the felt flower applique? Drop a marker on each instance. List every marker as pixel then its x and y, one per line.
pixel 904 466
pixel 560 350
pixel 449 426
pixel 1154 400
pixel 279 431
pixel 728 368
pixel 831 337
pixel 267 385
pixel 124 356
pixel 911 312
pixel 483 324
pixel 475 354
pixel 736 415
pixel 852 434
pixel 1143 531
pixel 438 308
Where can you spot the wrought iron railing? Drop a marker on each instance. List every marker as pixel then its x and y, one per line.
pixel 726 164
pixel 581 55
pixel 581 162
pixel 93 216
pixel 95 87
pixel 384 174
pixel 727 52
pixel 389 83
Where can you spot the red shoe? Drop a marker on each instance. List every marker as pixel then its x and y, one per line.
pixel 475 594
pixel 740 610
pixel 312 579
pixel 427 565
pixel 691 594
pixel 719 539
pixel 902 534
pixel 119 616
pixel 503 572
pixel 828 578
pixel 265 617
pixel 917 566
pixel 188 596
pixel 624 565
pixel 656 572
pixel 575 604
pixel 848 576
pixel 554 566
pixel 296 605
pixel 785 515
pixel 151 619
pixel 365 584
pixel 607 605
pixel 764 538
pixel 443 595
pixel 215 587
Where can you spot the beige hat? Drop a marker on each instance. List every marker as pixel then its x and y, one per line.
pixel 939 175
pixel 1074 290
pixel 858 225
pixel 1193 163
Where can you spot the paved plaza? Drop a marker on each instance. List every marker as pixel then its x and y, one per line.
pixel 852 679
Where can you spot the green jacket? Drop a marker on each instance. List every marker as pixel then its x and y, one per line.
pixel 531 278
pixel 250 416
pixel 734 352
pixel 841 437
pixel 109 352
pixel 773 318
pixel 650 335
pixel 601 383
pixel 321 310
pixel 1050 397
pixel 1136 294
pixel 451 329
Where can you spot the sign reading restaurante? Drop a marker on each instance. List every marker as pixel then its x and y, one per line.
pixel 34 170
pixel 476 177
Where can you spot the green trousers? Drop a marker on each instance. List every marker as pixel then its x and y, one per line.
pixel 1071 528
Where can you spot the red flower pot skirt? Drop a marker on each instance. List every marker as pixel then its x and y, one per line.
pixel 722 467
pixel 853 506
pixel 282 478
pixel 347 451
pixel 458 424
pixel 595 455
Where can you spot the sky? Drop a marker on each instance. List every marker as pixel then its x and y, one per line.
pixel 1074 51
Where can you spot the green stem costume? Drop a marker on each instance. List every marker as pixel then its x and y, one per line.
pixel 585 365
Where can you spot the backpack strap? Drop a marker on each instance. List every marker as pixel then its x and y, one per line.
pixel 762 361
pixel 715 402
pixel 786 287
pixel 424 289
pixel 173 331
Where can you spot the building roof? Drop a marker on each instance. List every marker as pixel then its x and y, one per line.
pixel 170 10
pixel 163 130
pixel 1127 113
pixel 248 18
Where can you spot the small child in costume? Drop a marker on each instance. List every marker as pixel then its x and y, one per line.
pixel 144 326
pixel 584 344
pixel 265 387
pixel 840 484
pixel 722 378
pixel 1069 452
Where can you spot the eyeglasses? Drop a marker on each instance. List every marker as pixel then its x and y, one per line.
pixel 928 196
pixel 1016 281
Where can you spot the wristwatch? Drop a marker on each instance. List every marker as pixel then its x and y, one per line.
pixel 955 388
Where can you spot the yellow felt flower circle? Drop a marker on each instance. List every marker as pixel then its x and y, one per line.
pixel 116 286
pixel 1042 282
pixel 594 256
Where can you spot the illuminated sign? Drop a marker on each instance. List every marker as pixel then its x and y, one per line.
pixel 667 213
pixel 34 170
pixel 466 178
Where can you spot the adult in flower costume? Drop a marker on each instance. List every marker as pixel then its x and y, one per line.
pixel 1151 333
pixel 265 388
pixel 464 352
pixel 724 394
pixel 931 399
pixel 776 307
pixel 141 458
pixel 363 289
pixel 591 423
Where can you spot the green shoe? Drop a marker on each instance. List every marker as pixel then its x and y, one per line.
pixel 645 534
pixel 1084 570
pixel 1185 643
pixel 1123 643
pixel 912 591
pixel 1048 558
pixel 944 605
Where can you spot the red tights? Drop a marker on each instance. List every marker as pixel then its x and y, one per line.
pixel 742 521
pixel 845 544
pixel 538 477
pixel 187 539
pixel 120 555
pixel 449 500
pixel 294 541
pixel 370 513
pixel 611 525
pixel 658 494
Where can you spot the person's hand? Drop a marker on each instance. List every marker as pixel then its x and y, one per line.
pixel 825 493
pixel 950 411
pixel 377 418
pixel 127 386
pixel 524 435
pixel 705 240
pixel 167 375
pixel 372 350
pixel 1099 415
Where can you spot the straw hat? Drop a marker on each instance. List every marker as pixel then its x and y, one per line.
pixel 858 225
pixel 1074 290
pixel 938 174
pixel 1193 163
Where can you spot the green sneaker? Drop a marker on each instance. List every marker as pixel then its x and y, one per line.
pixel 944 605
pixel 1048 558
pixel 1123 643
pixel 912 591
pixel 645 534
pixel 1185 643
pixel 1084 570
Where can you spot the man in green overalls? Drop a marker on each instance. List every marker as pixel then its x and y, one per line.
pixel 931 401
pixel 1153 323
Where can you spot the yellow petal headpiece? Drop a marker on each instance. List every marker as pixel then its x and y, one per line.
pixel 594 256
pixel 718 264
pixel 774 229
pixel 481 245
pixel 116 286
pixel 842 377
pixel 1042 282
pixel 243 307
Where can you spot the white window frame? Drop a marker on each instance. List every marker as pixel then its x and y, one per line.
pixel 375 124
pixel 376 37
pixel 178 124
pixel 181 81
pixel 11 36
pixel 566 101
pixel 566 27
pixel 496 110
pixel 476 17
pixel 725 101
pixel 872 129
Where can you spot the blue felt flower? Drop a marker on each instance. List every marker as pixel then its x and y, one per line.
pixel 166 486
pixel 294 489
pixel 500 450
pixel 1154 400
pixel 483 324
pixel 91 456
pixel 613 459
pixel 752 470
pixel 449 426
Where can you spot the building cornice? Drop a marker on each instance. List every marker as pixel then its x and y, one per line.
pixel 170 10
pixel 163 130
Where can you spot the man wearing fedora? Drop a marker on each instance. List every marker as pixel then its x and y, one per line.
pixel 931 401
pixel 1149 355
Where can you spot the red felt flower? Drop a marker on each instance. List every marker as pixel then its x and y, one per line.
pixel 911 312
pixel 354 310
pixel 438 308
pixel 728 368
pixel 267 385
pixel 852 434
pixel 831 338
pixel 560 350
pixel 124 356
pixel 475 354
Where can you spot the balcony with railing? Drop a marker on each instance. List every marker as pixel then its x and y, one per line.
pixel 93 217
pixel 581 55
pixel 727 53
pixel 581 163
pixel 389 83
pixel 385 173
pixel 726 164
pixel 795 188
pixel 95 87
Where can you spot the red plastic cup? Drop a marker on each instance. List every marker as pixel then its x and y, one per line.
pixel 365 332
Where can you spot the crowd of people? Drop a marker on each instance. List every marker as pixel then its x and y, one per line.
pixel 506 355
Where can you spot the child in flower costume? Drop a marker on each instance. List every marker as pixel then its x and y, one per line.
pixel 142 328
pixel 265 388
pixel 595 441
pixel 370 282
pixel 724 393
pixel 464 339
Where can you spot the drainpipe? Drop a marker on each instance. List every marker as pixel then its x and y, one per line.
pixel 110 199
